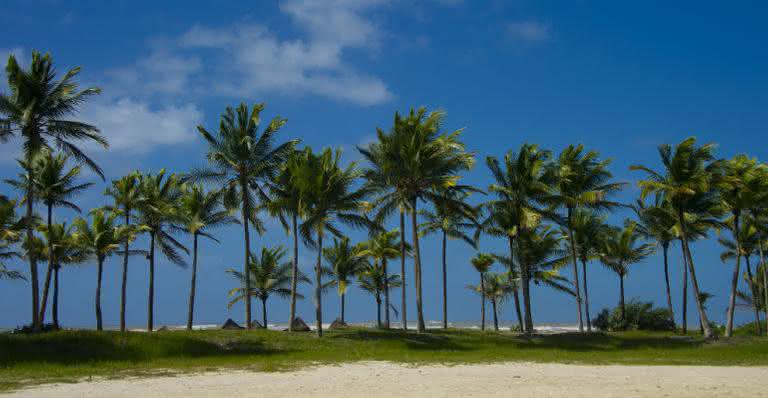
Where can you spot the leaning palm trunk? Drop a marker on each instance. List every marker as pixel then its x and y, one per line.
pixel 519 314
pixel 527 325
pixel 696 290
pixel 151 298
pixel 243 188
pixel 32 258
pixel 685 290
pixel 55 303
pixel 294 273
pixel 402 268
pixel 318 285
pixel 575 271
pixel 48 272
pixel 755 300
pixel 421 328
pixel 495 316
pixel 665 248
pixel 124 287
pixel 191 311
pixel 586 295
pixel 482 301
pixel 445 283
pixel 765 282
pixel 98 293
pixel 386 293
pixel 734 278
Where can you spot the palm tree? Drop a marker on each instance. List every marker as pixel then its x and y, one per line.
pixel 200 211
pixel 589 229
pixel 497 287
pixel 657 223
pixel 744 246
pixel 687 182
pixel 54 186
pixel 412 163
pixel 373 280
pixel 269 275
pixel 754 298
pixel 381 248
pixel 621 250
pixel 10 233
pixel 243 162
pixel 580 180
pixel 126 195
pixel 101 238
pixel 158 215
pixel 61 247
pixel 331 198
pixel 704 297
pixel 344 262
pixel 36 108
pixel 452 218
pixel 759 187
pixel 482 262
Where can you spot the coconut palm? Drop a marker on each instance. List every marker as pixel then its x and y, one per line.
pixel 270 275
pixel 331 199
pixel 520 185
pixel 744 246
pixel 580 180
pixel 621 250
pixel 344 262
pixel 657 222
pixel 754 298
pixel 381 248
pixel 101 238
pixel 126 195
pixel 687 182
pixel 704 297
pixel 373 280
pixel 158 215
pixel 452 218
pixel 589 229
pixel 759 187
pixel 55 186
pixel 242 162
pixel 199 212
pixel 496 287
pixel 37 108
pixel 416 160
pixel 10 233
pixel 61 247
pixel 482 262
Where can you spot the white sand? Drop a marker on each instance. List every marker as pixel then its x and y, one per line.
pixel 381 379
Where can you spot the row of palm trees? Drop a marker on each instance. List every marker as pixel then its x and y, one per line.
pixel 550 209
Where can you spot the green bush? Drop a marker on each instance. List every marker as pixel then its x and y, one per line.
pixel 638 316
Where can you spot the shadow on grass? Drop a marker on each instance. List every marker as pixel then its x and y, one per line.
pixel 78 347
pixel 414 341
pixel 601 342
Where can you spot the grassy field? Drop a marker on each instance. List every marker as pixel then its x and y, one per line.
pixel 72 355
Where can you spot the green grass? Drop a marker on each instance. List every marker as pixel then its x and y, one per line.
pixel 72 355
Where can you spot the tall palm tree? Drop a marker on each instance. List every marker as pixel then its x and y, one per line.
pixel 754 298
pixel 158 215
pixel 381 248
pixel 101 238
pixel 126 195
pixel 10 234
pixel 657 222
pixel 687 182
pixel 482 262
pixel 37 108
pixel 520 186
pixel 344 262
pixel 61 247
pixel 270 275
pixel 580 180
pixel 373 280
pixel 331 199
pixel 759 187
pixel 744 246
pixel 55 186
pixel 589 229
pixel 452 218
pixel 200 211
pixel 243 162
pixel 419 160
pixel 621 249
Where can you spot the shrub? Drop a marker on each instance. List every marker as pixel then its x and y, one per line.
pixel 638 316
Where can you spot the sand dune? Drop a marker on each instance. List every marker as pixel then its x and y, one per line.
pixel 381 379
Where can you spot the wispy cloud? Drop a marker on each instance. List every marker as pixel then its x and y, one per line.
pixel 529 31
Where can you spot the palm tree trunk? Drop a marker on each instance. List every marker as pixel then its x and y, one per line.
pixel 55 304
pixel 264 312
pixel 342 306
pixel 755 300
pixel 519 313
pixel 191 312
pixel 402 268
pixel 246 211
pixel 124 287
pixel 685 290
pixel 294 272
pixel 47 283
pixel 586 295
pixel 575 271
pixel 482 301
pixel 318 286
pixel 445 283
pixel 734 278
pixel 765 281
pixel 98 293
pixel 32 257
pixel 386 293
pixel 695 283
pixel 495 316
pixel 665 248
pixel 421 328
pixel 622 308
pixel 151 299
pixel 378 309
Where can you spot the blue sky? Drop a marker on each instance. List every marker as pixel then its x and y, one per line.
pixel 618 77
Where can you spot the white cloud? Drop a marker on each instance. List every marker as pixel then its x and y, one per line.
pixel 529 31
pixel 133 126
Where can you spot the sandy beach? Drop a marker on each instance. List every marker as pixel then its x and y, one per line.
pixel 382 379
